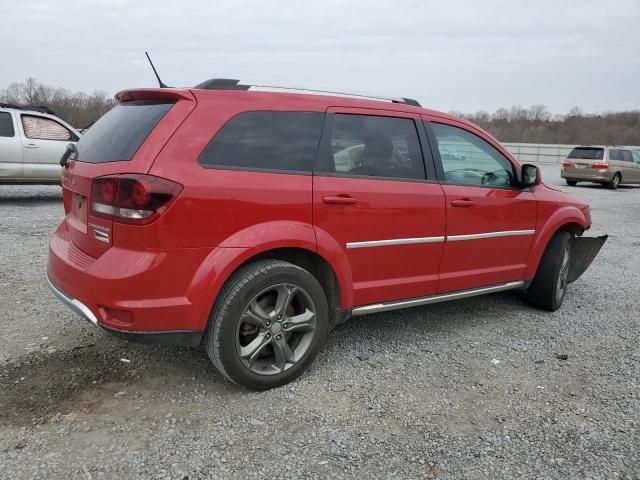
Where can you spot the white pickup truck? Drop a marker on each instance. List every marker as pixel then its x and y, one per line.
pixel 31 144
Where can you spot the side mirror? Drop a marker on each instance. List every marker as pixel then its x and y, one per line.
pixel 71 149
pixel 530 175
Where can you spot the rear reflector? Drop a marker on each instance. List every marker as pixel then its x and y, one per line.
pixel 599 166
pixel 132 198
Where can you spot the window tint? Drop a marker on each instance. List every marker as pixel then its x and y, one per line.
pixel 40 128
pixel 118 134
pixel 6 125
pixel 285 141
pixel 374 146
pixel 468 159
pixel 614 154
pixel 587 153
pixel 625 156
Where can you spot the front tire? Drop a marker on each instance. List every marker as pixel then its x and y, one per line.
pixel 549 286
pixel 270 321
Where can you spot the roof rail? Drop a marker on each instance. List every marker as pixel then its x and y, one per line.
pixel 32 108
pixel 233 84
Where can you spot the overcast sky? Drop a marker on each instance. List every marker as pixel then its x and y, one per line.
pixel 451 55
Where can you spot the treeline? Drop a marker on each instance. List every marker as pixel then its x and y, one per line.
pixel 537 125
pixel 517 124
pixel 77 108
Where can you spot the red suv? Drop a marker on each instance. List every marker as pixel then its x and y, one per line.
pixel 255 221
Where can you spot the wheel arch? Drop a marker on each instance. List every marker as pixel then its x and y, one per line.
pixel 222 262
pixel 315 264
pixel 568 219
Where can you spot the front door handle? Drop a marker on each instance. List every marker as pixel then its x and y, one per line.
pixel 462 203
pixel 31 145
pixel 339 200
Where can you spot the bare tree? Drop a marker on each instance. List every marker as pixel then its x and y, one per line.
pixel 537 125
pixel 77 108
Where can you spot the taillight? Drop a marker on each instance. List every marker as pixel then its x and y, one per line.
pixel 132 198
pixel 567 165
pixel 599 166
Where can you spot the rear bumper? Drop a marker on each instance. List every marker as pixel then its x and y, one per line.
pixel 131 293
pixel 184 338
pixel 586 175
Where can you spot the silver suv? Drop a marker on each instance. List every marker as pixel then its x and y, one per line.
pixel 31 144
pixel 609 166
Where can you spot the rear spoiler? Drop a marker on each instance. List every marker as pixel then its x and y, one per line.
pixel 154 94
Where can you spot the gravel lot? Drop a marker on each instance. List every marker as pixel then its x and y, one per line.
pixel 479 388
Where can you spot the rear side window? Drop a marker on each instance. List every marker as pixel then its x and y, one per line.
pixel 374 146
pixel 118 134
pixel 614 154
pixel 626 156
pixel 265 140
pixel 587 153
pixel 6 125
pixel 40 128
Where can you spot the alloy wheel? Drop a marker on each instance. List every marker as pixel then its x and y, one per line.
pixel 563 276
pixel 276 329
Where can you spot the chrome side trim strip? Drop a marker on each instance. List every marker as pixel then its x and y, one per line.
pixel 73 304
pixel 445 297
pixel 450 238
pixel 394 241
pixel 475 236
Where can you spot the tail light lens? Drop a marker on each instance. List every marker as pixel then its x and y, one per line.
pixel 599 166
pixel 132 198
pixel 567 165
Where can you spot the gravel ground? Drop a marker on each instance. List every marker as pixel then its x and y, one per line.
pixel 483 388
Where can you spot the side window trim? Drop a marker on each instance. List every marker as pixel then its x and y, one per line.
pixel 438 160
pixel 325 153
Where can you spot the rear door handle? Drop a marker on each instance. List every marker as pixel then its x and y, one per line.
pixel 339 200
pixel 31 145
pixel 463 203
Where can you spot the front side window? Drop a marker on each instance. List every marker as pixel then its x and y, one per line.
pixel 265 140
pixel 41 128
pixel 468 159
pixel 6 125
pixel 373 146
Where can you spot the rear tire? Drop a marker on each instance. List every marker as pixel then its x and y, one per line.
pixel 615 182
pixel 268 324
pixel 549 286
pixel 572 183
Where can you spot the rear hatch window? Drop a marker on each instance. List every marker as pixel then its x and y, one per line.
pixel 118 134
pixel 587 153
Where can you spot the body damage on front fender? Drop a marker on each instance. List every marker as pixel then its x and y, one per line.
pixel 583 251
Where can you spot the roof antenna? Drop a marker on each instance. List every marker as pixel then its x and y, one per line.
pixel 162 85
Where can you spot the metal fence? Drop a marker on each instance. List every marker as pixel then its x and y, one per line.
pixel 543 152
